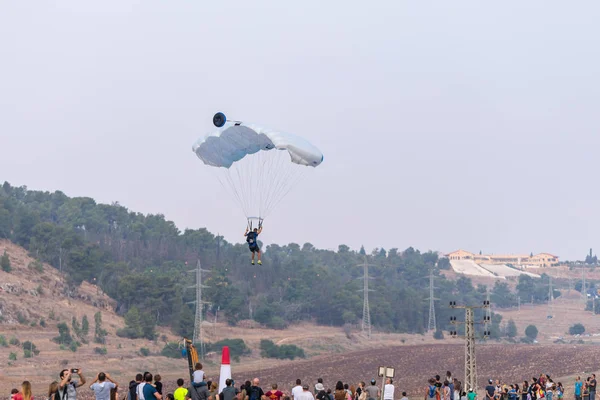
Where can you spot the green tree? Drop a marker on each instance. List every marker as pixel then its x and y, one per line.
pixel 76 326
pixel 64 334
pixel 99 333
pixel 85 326
pixel 531 332
pixel 511 329
pixel 5 262
pixel 577 329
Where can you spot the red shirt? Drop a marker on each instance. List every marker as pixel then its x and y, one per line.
pixel 19 396
pixel 274 395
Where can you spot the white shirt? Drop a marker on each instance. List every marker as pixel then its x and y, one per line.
pixel 140 391
pixel 296 391
pixel 198 376
pixel 388 392
pixel 305 395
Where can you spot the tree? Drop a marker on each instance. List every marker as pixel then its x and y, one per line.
pixel 99 333
pixel 5 262
pixel 577 329
pixel 511 329
pixel 85 326
pixel 531 332
pixel 64 334
pixel 76 326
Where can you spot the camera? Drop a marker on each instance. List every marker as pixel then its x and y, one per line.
pixel 74 371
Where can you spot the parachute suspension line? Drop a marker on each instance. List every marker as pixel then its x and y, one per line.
pixel 232 187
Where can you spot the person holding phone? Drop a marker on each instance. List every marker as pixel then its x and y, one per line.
pixel 67 388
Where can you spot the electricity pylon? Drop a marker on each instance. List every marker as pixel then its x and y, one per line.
pixel 198 332
pixel 366 320
pixel 470 360
pixel 431 324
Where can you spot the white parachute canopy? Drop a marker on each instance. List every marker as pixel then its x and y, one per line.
pixel 257 165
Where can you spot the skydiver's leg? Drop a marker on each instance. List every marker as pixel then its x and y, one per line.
pixel 259 252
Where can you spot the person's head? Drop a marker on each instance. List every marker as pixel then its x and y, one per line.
pixel 274 386
pixel 431 381
pixel 255 229
pixel 170 396
pixel 298 382
pixel 448 373
pixel 198 366
pixel 64 373
pixel 437 377
pixel 255 382
pixel 305 387
pixel 329 391
pixel 228 382
pixel 180 382
pixel 403 394
pixel 559 384
pixel 157 378
pixel 346 386
pixel 53 388
pixel 446 383
pixel 140 377
pixel 26 390
pixel 101 377
pixel 339 385
pixel 388 381
pixel 320 380
pixel 372 381
pixel 148 377
pixel 362 384
pixel 352 389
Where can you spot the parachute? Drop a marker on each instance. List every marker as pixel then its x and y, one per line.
pixel 257 165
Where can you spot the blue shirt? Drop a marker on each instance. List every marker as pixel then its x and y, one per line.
pixel 251 238
pixel 149 391
pixel 578 386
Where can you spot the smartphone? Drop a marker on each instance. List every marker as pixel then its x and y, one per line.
pixel 74 371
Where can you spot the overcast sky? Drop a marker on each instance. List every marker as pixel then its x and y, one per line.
pixel 444 125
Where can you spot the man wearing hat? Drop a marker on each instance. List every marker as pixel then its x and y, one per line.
pixel 321 392
pixel 490 390
pixel 373 392
pixel 471 395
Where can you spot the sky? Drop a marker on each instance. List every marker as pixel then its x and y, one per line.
pixel 444 125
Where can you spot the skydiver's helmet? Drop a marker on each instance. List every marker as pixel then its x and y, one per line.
pixel 255 229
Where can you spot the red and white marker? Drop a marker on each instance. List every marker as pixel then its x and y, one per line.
pixel 225 368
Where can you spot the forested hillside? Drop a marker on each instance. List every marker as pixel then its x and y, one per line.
pixel 143 262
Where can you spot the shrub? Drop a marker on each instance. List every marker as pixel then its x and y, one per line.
pixel 236 346
pixel 39 289
pixel 5 262
pixel 37 266
pixel 43 323
pixel 171 350
pixel 73 347
pixel 100 350
pixel 145 351
pixel 277 323
pixel 21 318
pixel 531 332
pixel 29 348
pixel 12 356
pixel 577 329
pixel 14 341
pixel 3 341
pixel 269 349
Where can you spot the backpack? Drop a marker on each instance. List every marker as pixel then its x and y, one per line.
pixel 431 391
pixel 254 393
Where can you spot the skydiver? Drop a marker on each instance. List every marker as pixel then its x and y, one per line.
pixel 252 239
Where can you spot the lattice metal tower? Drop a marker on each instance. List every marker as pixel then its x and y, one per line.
pixel 470 359
pixel 366 320
pixel 198 337
pixel 431 325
